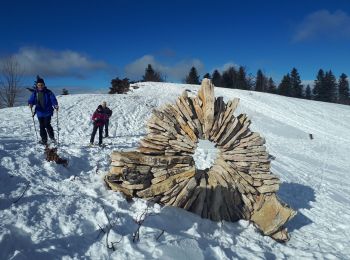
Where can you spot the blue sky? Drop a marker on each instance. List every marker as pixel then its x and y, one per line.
pixel 87 43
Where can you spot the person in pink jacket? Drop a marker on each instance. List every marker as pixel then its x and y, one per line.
pixel 99 119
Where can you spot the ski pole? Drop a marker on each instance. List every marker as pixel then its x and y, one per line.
pixel 36 133
pixel 58 130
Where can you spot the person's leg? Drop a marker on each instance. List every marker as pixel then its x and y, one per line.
pixel 49 127
pixel 43 133
pixel 106 128
pixel 100 132
pixel 94 130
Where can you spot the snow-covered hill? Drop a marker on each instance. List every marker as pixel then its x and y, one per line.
pixel 62 210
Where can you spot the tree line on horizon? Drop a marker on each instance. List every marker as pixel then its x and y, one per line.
pixel 326 87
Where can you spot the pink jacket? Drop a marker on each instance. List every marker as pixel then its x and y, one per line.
pixel 99 118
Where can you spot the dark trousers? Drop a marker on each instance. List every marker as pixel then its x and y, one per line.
pixel 100 131
pixel 45 128
pixel 106 127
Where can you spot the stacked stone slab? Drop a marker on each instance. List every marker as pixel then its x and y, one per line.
pixel 239 185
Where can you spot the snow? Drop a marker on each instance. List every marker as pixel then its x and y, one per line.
pixel 62 209
pixel 205 154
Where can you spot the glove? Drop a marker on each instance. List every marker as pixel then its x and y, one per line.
pixel 56 107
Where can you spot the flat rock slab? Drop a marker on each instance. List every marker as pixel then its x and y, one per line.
pixel 271 215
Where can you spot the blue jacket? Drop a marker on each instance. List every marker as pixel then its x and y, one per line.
pixel 50 102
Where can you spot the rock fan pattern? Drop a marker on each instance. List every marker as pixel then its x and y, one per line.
pixel 238 186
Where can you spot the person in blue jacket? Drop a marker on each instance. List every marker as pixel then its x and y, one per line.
pixel 45 102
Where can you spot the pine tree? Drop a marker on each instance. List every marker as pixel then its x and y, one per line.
pixel 325 87
pixel 343 89
pixel 242 82
pixel 260 82
pixel 229 78
pixel 308 92
pixel 152 75
pixel 207 76
pixel 119 86
pixel 271 86
pixel 192 77
pixel 330 87
pixel 217 79
pixel 284 88
pixel 319 88
pixel 296 86
pixel 250 81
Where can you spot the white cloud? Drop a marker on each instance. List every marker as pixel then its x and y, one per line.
pixel 136 69
pixel 226 66
pixel 177 72
pixel 308 82
pixel 323 24
pixel 46 62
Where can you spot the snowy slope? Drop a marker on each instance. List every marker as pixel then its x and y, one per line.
pixel 59 215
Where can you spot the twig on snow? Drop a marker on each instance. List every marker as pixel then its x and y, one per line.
pixel 161 233
pixel 107 230
pixel 139 221
pixel 96 172
pixel 25 189
pixel 101 231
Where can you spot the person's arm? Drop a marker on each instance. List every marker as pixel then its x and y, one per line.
pixel 110 112
pixel 53 100
pixel 31 100
pixel 93 118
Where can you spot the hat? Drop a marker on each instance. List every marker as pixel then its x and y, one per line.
pixel 39 80
pixel 99 107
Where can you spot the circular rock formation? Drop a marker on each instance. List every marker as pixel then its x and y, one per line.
pixel 239 185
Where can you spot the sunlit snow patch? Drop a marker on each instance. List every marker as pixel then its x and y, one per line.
pixel 205 154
